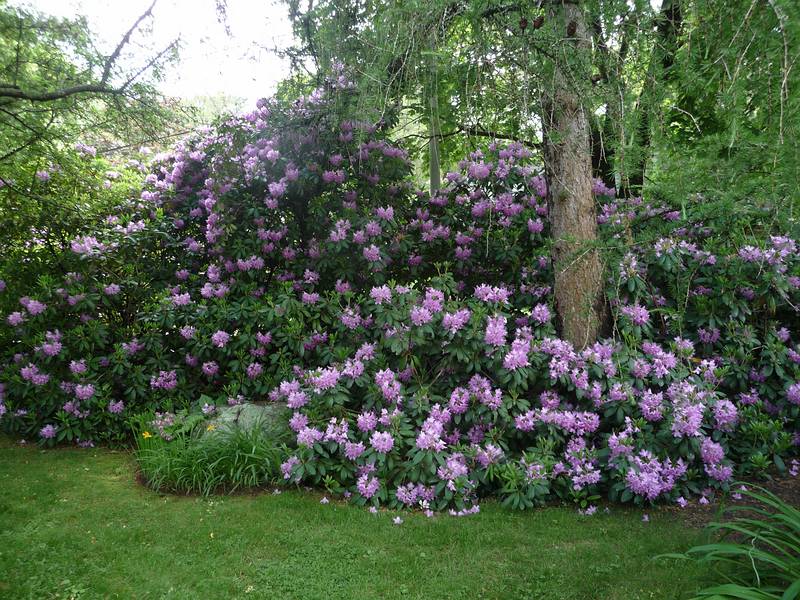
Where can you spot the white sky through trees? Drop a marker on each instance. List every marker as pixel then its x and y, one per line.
pixel 238 62
pixel 211 61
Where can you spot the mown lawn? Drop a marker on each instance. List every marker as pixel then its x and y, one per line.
pixel 75 524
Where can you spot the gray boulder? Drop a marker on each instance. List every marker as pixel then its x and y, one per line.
pixel 273 418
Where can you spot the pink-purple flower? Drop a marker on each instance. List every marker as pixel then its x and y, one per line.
pixel 381 294
pixel 210 368
pixel 220 338
pixel 638 314
pixel 372 253
pixel 495 334
pixel 382 441
pixel 15 318
pixel 48 432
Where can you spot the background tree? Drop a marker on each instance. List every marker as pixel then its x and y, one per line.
pixel 55 85
pixel 681 98
pixel 65 110
pixel 567 160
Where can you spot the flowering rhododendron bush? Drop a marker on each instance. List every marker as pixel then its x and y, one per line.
pixel 284 256
pixel 50 205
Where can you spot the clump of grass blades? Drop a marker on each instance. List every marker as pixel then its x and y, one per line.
pixel 758 552
pixel 226 460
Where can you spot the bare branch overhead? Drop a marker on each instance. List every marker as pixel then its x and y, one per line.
pixel 13 91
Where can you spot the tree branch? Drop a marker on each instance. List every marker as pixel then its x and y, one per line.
pixel 481 132
pixel 149 64
pixel 32 140
pixel 147 141
pixel 101 87
pixel 125 39
pixel 10 92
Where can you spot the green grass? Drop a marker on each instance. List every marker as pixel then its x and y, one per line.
pixel 75 524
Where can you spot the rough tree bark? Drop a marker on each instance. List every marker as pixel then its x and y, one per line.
pixel 567 152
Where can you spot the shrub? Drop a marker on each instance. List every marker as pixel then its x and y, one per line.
pixel 284 255
pixel 46 208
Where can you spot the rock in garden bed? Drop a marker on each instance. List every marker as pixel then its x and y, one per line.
pixel 273 418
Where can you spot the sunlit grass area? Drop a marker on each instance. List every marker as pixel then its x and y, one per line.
pixel 76 524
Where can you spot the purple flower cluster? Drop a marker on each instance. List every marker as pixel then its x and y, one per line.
pixel 165 380
pixel 53 345
pixel 48 432
pixel 456 321
pixel 382 442
pixel 495 334
pixel 381 294
pixel 388 384
pixel 649 477
pixel 31 373
pixel 220 338
pixel 517 357
pixel 638 314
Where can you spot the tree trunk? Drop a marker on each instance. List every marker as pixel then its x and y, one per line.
pixel 433 147
pixel 567 152
pixel 433 122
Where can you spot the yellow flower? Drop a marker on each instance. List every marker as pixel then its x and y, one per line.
pixel 147 434
pixel 210 427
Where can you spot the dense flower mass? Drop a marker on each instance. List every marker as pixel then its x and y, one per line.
pixel 220 338
pixel 285 257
